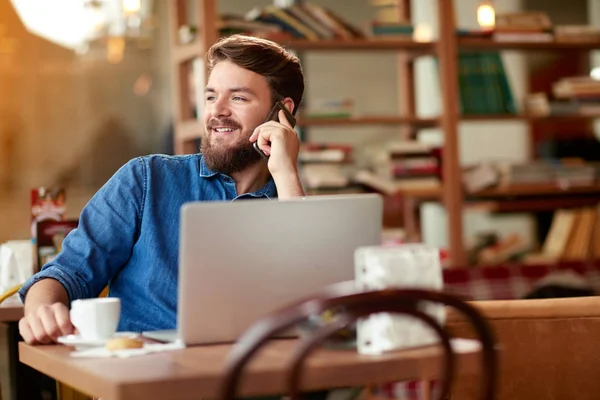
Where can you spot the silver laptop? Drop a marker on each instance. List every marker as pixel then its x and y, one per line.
pixel 239 261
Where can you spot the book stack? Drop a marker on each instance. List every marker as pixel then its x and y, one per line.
pixel 483 85
pixel 387 22
pixel 230 24
pixel 402 166
pixel 577 88
pixel 523 27
pixel 576 33
pixel 549 172
pixel 325 167
pixel 510 248
pixel 574 235
pixel 329 108
pixel 304 21
pixel 539 105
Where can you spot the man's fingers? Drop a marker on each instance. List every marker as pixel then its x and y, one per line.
pixel 48 320
pixel 254 135
pixel 39 333
pixel 25 331
pixel 63 319
pixel 284 121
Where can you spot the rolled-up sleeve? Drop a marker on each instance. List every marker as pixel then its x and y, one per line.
pixel 104 238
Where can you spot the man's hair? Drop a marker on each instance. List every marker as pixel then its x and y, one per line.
pixel 281 68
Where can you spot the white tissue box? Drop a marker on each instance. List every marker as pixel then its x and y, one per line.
pixel 411 266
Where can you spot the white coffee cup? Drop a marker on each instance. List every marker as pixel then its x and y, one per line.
pixel 96 319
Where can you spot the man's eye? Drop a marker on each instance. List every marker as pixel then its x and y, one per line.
pixel 238 98
pixel 210 98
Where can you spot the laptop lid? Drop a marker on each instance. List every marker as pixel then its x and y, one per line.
pixel 239 261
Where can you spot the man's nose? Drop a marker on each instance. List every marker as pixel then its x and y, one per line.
pixel 221 108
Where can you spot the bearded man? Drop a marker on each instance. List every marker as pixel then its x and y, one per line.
pixel 128 232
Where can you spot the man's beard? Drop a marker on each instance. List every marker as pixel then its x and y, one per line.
pixel 226 159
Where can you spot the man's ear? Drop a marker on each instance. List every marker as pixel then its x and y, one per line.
pixel 289 104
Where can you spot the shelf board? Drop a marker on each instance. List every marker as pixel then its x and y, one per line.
pixel 359 44
pixel 187 52
pixel 373 120
pixel 491 117
pixel 189 130
pixel 523 190
pixel 531 118
pixel 529 205
pixel 489 44
pixel 517 193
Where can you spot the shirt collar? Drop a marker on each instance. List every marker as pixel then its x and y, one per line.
pixel 268 191
pixel 205 172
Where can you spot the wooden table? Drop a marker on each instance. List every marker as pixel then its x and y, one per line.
pixel 11 311
pixel 196 372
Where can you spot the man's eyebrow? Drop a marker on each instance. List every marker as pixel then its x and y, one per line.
pixel 243 89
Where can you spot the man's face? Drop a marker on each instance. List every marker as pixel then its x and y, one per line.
pixel 237 101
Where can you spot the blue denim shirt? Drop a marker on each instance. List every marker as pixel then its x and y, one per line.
pixel 128 237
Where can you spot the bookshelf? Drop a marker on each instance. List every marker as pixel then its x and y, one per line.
pixel 446 49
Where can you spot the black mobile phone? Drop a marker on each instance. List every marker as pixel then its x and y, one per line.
pixel 274 116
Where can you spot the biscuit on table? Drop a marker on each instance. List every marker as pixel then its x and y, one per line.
pixel 124 343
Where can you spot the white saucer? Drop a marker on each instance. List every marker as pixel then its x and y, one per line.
pixel 79 342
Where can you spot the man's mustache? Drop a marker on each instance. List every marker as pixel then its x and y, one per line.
pixel 224 123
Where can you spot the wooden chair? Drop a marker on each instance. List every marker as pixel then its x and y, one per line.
pixel 355 306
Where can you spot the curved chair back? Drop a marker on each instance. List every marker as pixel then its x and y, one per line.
pixel 355 306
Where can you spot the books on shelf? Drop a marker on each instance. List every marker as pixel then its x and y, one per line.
pixel 387 21
pixel 523 22
pixel 577 87
pixel 574 235
pixel 392 187
pixel 330 108
pixel 229 24
pixel 402 166
pixel 480 177
pixel 325 153
pixel 525 37
pixel 326 166
pixel 503 250
pixel 324 176
pixel 550 173
pixel 576 33
pixel 305 21
pixel 483 84
pixel 538 105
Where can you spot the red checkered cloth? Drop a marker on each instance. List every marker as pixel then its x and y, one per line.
pixel 509 282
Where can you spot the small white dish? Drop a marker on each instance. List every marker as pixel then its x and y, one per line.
pixel 80 343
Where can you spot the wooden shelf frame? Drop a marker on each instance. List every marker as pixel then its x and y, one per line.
pixel 186 128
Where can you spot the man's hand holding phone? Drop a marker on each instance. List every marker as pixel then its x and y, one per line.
pixel 280 144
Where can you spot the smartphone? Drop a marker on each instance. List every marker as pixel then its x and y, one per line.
pixel 274 116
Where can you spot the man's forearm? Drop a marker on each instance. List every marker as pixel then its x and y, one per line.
pixel 288 186
pixel 45 292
